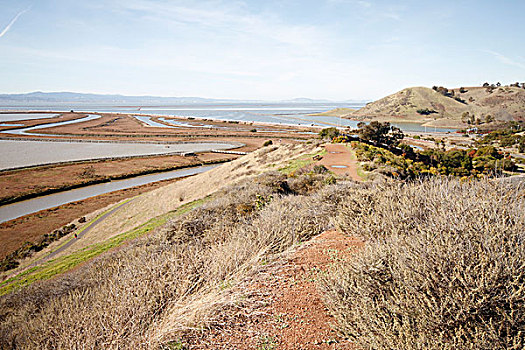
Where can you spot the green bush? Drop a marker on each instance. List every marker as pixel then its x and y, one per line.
pixel 329 133
pixel 426 111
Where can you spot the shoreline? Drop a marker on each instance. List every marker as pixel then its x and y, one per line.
pixel 20 198
pixel 443 124
pixel 452 125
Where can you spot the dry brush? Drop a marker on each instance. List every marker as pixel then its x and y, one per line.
pixel 150 292
pixel 443 266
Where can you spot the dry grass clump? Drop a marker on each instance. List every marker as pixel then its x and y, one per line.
pixel 443 267
pixel 149 292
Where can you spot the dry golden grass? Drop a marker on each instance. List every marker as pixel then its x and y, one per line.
pixel 504 103
pixel 443 266
pixel 148 293
pixel 170 197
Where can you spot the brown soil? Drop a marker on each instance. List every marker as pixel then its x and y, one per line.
pixel 31 227
pixel 126 127
pixel 338 154
pixel 37 180
pixel 293 315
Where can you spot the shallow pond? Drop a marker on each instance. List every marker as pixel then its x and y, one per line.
pixel 17 154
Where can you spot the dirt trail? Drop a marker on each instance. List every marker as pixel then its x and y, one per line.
pixel 340 156
pixel 293 315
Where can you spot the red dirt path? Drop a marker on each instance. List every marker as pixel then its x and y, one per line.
pixel 294 315
pixel 338 154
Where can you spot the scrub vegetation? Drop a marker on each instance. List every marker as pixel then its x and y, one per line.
pixel 151 290
pixel 442 266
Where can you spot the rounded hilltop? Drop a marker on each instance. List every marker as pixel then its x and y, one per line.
pixel 440 106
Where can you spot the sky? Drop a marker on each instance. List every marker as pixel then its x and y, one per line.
pixel 258 49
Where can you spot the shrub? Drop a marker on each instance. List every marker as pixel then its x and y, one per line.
pixel 267 143
pixel 460 100
pixel 329 133
pixel 319 169
pixel 149 292
pixel 426 111
pixel 442 267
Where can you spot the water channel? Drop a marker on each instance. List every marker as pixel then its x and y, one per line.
pixel 15 210
pixel 9 117
pixel 29 131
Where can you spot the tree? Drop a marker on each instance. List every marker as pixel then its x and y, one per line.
pixel 329 133
pixel 468 118
pixel 380 133
pixel 485 84
pixel 425 111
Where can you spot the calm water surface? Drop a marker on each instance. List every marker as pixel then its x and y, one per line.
pixel 286 114
pixel 9 117
pixel 16 154
pixel 15 210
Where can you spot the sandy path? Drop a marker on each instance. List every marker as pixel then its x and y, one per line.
pixel 340 155
pixel 293 316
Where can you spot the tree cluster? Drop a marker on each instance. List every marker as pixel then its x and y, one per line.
pixel 471 162
pixel 507 137
pixel 426 111
pixel 449 93
pixel 380 133
pixel 471 119
pixel 492 87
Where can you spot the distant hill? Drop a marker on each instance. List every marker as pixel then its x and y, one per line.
pixel 68 98
pixel 38 97
pixel 447 106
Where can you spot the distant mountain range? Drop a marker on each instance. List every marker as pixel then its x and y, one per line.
pixel 54 98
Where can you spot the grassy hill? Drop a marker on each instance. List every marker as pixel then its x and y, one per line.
pixel 502 104
pixel 441 266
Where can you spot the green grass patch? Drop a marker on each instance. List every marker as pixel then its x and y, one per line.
pixel 62 264
pixel 300 162
pixel 183 209
pixel 82 229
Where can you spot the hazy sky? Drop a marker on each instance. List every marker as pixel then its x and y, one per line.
pixel 258 49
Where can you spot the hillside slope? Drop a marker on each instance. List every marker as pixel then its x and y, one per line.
pixel 503 104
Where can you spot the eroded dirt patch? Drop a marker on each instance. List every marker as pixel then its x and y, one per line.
pixel 338 159
pixel 291 313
